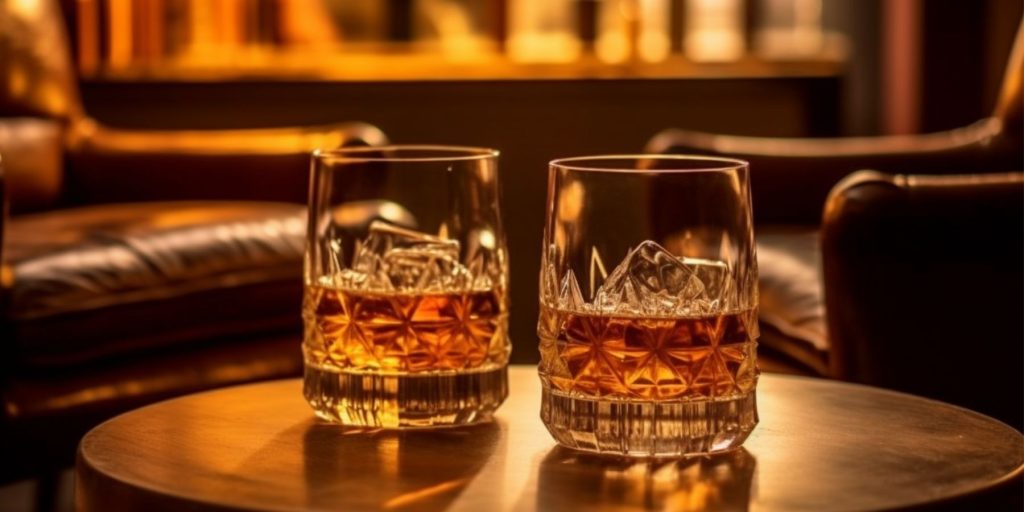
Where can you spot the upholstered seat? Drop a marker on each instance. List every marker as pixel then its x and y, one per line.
pixel 98 281
pixel 792 302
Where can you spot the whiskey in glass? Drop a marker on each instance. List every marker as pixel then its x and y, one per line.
pixel 654 354
pixel 405 328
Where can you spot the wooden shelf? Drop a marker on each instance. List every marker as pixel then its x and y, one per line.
pixel 422 67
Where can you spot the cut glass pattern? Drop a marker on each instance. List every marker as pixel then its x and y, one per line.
pixel 658 327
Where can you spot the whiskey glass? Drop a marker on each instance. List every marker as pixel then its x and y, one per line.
pixel 406 278
pixel 648 295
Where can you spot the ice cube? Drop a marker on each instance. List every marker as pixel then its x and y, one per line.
pixel 425 270
pixel 394 258
pixel 486 267
pixel 384 237
pixel 569 296
pixel 716 286
pixel 652 281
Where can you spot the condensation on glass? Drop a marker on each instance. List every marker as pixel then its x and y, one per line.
pixel 406 302
pixel 648 324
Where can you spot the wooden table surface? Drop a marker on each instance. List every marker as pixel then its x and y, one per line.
pixel 821 445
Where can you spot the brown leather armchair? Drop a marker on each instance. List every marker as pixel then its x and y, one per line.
pixel 924 286
pixel 791 179
pixel 136 265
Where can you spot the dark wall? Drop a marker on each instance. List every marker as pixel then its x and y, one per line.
pixel 965 48
pixel 859 21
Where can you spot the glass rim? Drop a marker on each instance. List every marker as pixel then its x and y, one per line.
pixel 454 153
pixel 714 163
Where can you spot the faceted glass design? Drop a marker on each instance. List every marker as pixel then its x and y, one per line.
pixel 405 309
pixel 449 331
pixel 655 354
pixel 646 357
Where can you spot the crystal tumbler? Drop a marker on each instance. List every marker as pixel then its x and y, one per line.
pixel 406 279
pixel 648 301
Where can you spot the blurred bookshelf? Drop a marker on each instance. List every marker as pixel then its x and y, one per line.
pixel 411 40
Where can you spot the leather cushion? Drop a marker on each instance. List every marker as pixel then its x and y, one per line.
pixel 791 302
pixel 103 280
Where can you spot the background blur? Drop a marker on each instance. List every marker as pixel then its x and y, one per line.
pixel 885 66
pixel 116 116
pixel 541 79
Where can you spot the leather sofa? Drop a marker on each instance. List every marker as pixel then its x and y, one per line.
pixel 136 265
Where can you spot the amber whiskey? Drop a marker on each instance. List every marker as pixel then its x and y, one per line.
pixel 644 384
pixel 400 359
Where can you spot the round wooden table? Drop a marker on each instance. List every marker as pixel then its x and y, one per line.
pixel 821 445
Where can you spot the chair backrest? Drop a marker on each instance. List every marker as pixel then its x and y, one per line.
pixel 36 74
pixel 1010 106
pixel 39 101
pixel 924 286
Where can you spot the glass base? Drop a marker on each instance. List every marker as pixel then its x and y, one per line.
pixel 371 399
pixel 638 428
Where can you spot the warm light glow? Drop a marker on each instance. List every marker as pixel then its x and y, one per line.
pixel 629 29
pixel 459 39
pixel 570 202
pixel 88 36
pixel 615 21
pixel 387 454
pixel 414 497
pixel 25 8
pixel 654 46
pixel 714 30
pixel 120 34
pixel 338 39
pixel 17 79
pixel 486 239
pixel 689 485
pixel 613 47
pixel 543 31
pixel 696 498
pixel 392 211
pixel 655 43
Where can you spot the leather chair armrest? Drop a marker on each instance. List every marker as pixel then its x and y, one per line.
pixel 110 165
pixel 4 211
pixel 33 151
pixel 6 280
pixel 791 177
pixel 924 286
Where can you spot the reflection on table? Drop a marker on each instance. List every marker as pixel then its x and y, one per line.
pixel 715 482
